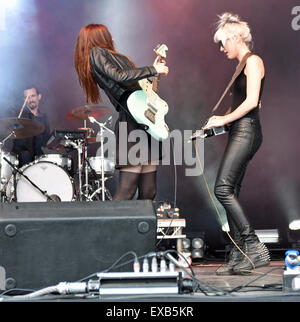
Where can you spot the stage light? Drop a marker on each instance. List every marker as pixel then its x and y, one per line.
pixel 9 4
pixel 197 248
pixel 287 193
pixel 186 245
pixel 268 236
pixel 293 218
pixel 2 18
pixel 294 225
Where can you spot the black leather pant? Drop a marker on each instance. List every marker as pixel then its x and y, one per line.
pixel 245 138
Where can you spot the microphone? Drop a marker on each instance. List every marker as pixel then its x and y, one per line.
pixel 198 134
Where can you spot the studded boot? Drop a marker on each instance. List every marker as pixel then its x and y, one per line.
pixel 257 252
pixel 235 257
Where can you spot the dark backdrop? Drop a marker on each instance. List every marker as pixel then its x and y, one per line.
pixel 37 45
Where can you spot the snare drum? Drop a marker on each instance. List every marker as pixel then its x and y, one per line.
pixel 6 169
pixel 49 177
pixel 62 161
pixel 95 164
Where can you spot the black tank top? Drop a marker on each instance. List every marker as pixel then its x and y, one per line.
pixel 239 94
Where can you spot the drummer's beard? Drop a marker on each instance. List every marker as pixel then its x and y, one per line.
pixel 33 106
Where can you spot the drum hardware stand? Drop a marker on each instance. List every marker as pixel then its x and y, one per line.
pixel 106 191
pixel 102 127
pixel 79 147
pixel 97 182
pixel 85 165
pixel 49 198
pixel 1 147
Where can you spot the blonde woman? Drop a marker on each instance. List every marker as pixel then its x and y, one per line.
pixel 245 138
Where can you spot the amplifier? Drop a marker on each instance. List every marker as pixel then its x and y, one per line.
pixel 42 244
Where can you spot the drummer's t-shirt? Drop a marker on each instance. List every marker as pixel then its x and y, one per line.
pixel 28 149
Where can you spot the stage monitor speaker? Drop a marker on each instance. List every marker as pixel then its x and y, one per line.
pixel 42 244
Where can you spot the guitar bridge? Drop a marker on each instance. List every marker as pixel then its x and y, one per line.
pixel 150 116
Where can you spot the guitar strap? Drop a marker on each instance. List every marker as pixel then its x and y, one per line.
pixel 124 109
pixel 238 70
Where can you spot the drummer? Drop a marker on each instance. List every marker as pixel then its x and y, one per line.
pixel 28 149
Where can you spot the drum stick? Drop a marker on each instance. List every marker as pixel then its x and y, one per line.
pixel 20 114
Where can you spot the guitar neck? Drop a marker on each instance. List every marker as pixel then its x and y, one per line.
pixel 155 84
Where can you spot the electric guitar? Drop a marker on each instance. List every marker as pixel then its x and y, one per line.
pixel 147 107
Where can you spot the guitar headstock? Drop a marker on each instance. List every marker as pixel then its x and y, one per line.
pixel 161 50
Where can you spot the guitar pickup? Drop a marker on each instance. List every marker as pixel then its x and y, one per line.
pixel 150 116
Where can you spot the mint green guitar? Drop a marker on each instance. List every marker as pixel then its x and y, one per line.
pixel 147 107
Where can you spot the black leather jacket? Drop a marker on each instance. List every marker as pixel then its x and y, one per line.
pixel 115 74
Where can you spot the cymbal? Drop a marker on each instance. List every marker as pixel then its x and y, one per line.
pixel 83 112
pixel 23 128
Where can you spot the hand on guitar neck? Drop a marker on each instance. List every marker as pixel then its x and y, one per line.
pixel 146 107
pixel 160 66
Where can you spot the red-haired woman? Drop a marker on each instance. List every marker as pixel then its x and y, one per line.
pixel 99 65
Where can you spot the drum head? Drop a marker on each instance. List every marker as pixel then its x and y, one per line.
pixel 49 178
pixel 95 164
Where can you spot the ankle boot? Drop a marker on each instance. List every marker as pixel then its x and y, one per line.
pixel 258 254
pixel 235 257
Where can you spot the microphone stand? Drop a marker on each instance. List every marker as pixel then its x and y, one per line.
pixel 102 127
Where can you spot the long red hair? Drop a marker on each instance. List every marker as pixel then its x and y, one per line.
pixel 90 36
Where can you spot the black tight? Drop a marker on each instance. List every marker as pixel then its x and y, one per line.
pixel 244 140
pixel 147 186
pixel 129 182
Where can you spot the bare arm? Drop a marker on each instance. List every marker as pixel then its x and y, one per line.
pixel 254 71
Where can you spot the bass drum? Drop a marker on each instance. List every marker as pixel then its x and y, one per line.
pixel 48 177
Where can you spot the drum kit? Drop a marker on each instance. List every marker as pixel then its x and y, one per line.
pixel 52 177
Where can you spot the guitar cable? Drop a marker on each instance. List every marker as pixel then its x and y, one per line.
pixel 216 208
pixel 175 172
pixel 175 191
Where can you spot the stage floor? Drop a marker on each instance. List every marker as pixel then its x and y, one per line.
pixel 262 285
pixel 263 281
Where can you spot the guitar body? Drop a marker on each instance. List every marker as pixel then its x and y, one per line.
pixel 149 109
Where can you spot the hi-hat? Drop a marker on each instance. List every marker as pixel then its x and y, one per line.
pixel 22 127
pixel 83 112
